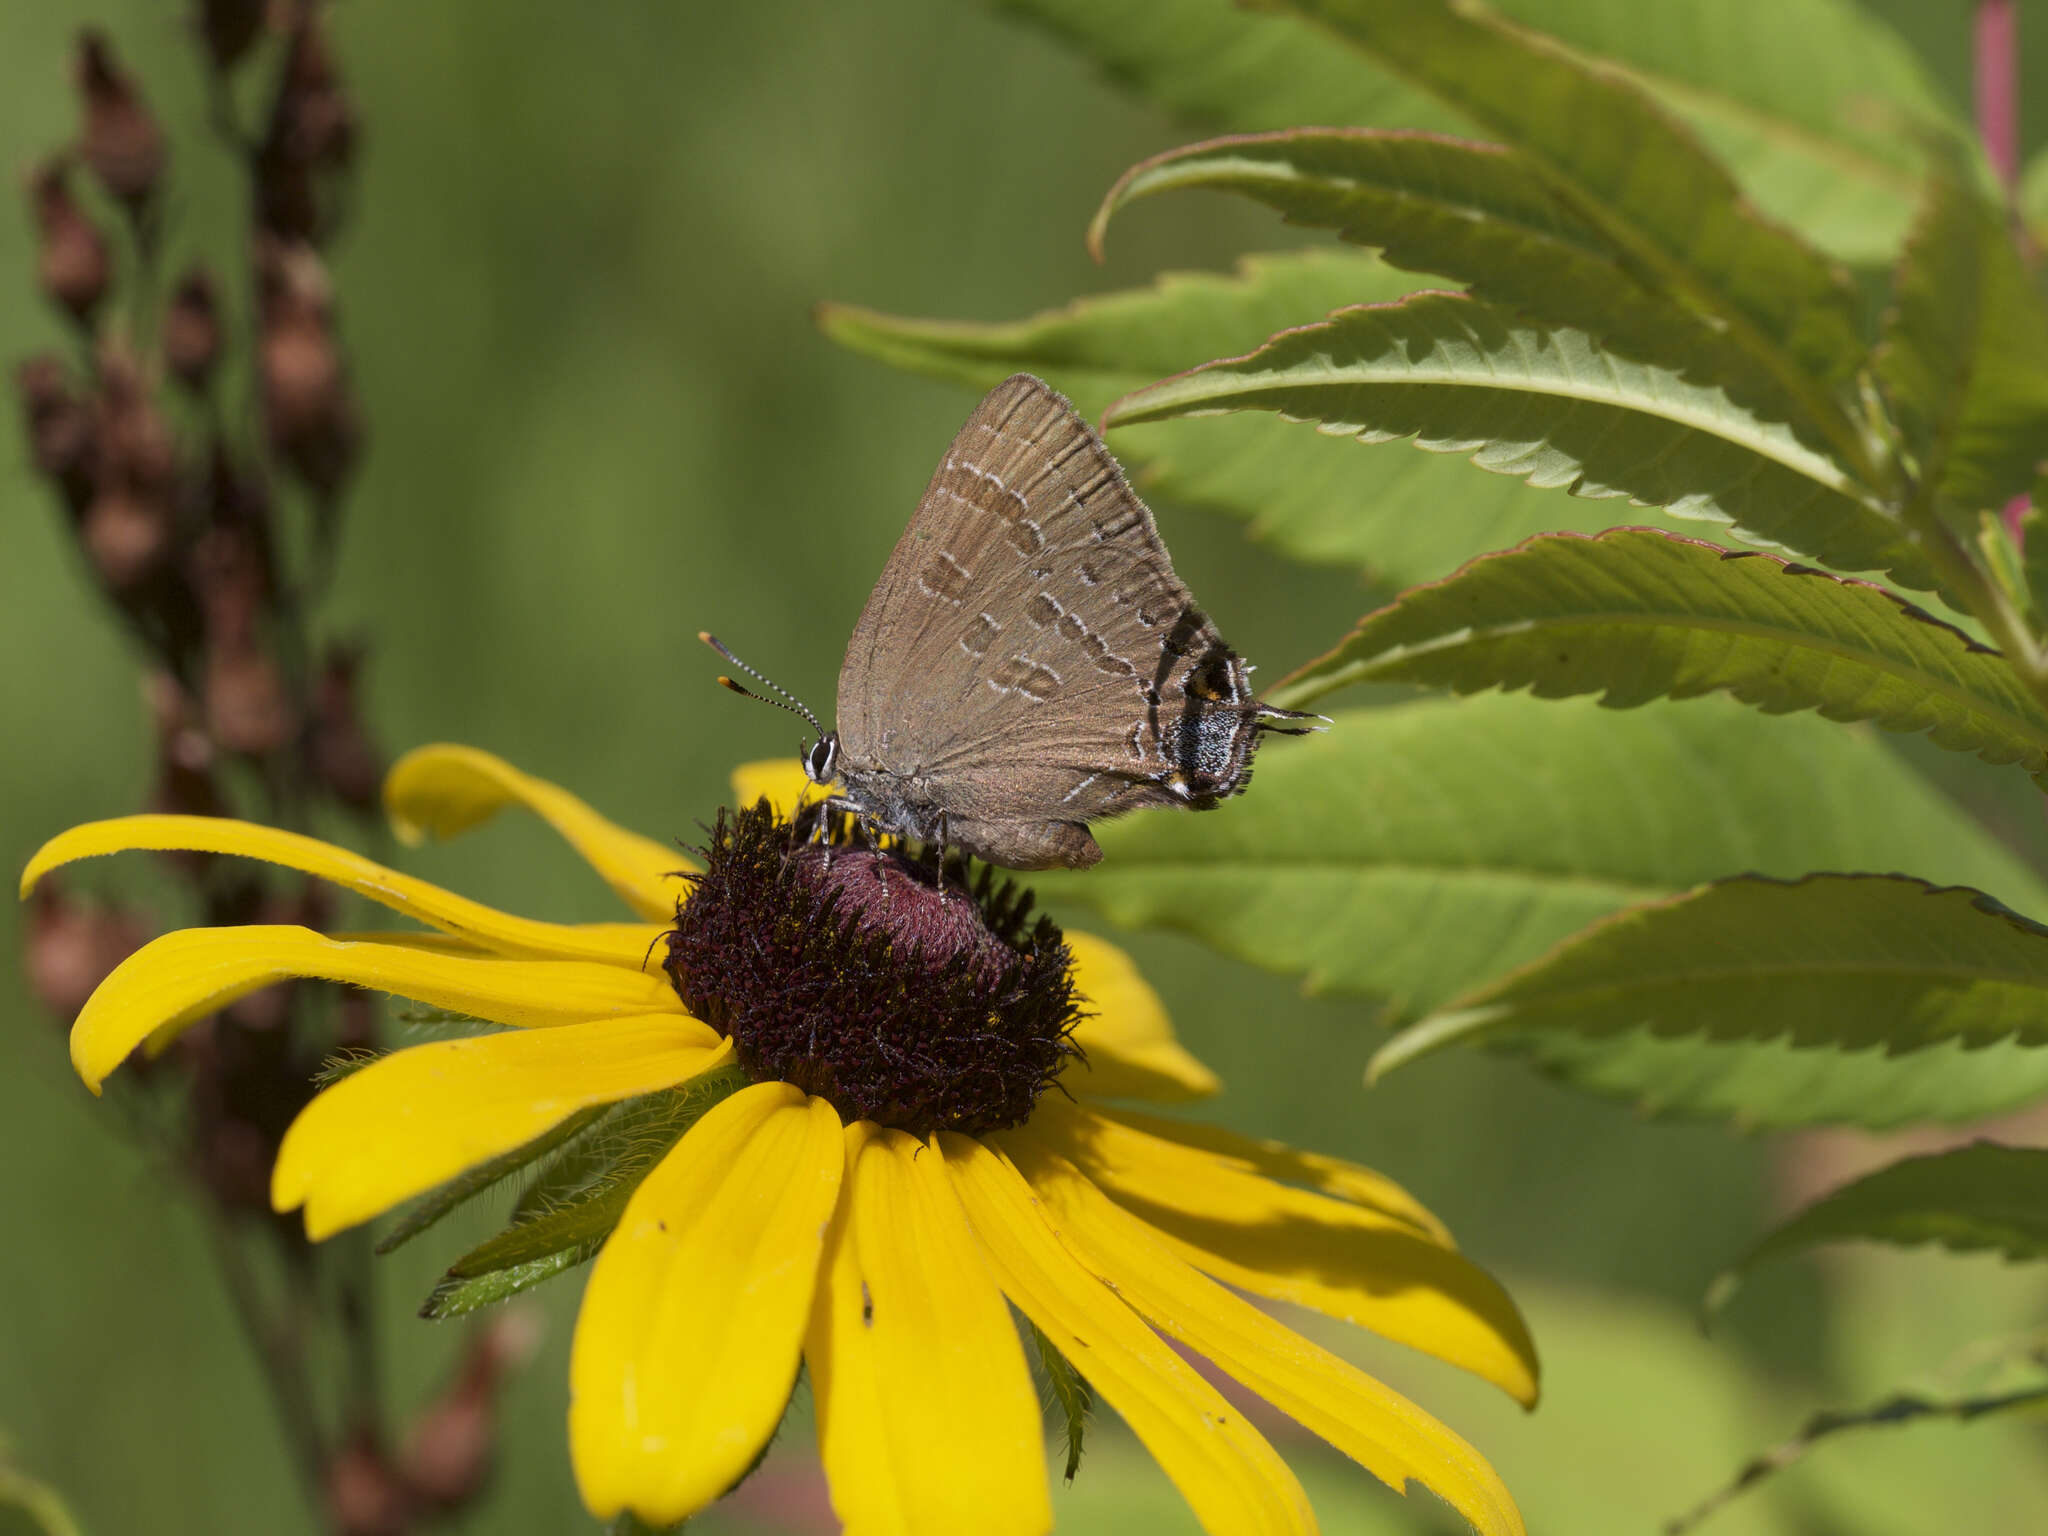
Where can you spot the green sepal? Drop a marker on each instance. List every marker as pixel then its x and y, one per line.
pixel 2033 534
pixel 2001 558
pixel 578 1196
pixel 1069 1392
pixel 626 1523
pixel 624 1145
pixel 458 1296
pixel 436 1203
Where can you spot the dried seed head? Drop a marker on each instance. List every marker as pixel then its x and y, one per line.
pixel 228 28
pixel 127 537
pixel 72 264
pixel 365 1496
pixel 185 783
pixel 308 411
pixel 248 708
pixel 846 971
pixel 309 142
pixel 60 430
pixel 136 449
pixel 122 142
pixel 344 759
pixel 192 331
pixel 74 945
pixel 448 1449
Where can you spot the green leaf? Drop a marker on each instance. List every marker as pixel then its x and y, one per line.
pixel 434 1205
pixel 2033 533
pixel 1848 961
pixel 1100 348
pixel 1772 1084
pixel 1805 100
pixel 1964 359
pixel 1070 1393
pixel 1634 614
pixel 1967 1199
pixel 1414 852
pixel 1799 97
pixel 1629 168
pixel 1207 61
pixel 2022 1383
pixel 1402 517
pixel 1551 407
pixel 1479 214
pixel 2033 194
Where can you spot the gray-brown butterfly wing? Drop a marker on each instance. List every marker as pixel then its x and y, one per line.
pixel 1028 660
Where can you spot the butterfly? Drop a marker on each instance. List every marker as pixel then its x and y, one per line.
pixel 1028 662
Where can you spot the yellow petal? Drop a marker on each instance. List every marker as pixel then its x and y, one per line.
pixel 1128 1041
pixel 1276 1160
pixel 1388 1435
pixel 441 790
pixel 927 1418
pixel 781 780
pixel 469 920
pixel 183 976
pixel 621 942
pixel 419 1117
pixel 686 1348
pixel 1236 1483
pixel 1273 1240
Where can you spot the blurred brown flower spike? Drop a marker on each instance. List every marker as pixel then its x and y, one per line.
pixel 229 28
pixel 344 759
pixel 73 946
pixel 191 331
pixel 446 1458
pixel 307 408
pixel 122 142
pixel 309 142
pixel 184 770
pixel 72 263
pixel 128 524
pixel 60 429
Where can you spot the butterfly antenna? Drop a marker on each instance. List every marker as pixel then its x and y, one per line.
pixel 795 705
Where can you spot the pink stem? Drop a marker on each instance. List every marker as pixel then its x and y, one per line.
pixel 1998 89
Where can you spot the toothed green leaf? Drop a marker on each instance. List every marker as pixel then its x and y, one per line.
pixel 1633 614
pixel 1400 516
pixel 1800 98
pixel 1964 358
pixel 1477 214
pixel 1599 141
pixel 1851 962
pixel 1550 406
pixel 1982 1196
pixel 1418 851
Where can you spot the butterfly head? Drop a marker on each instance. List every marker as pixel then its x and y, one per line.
pixel 821 757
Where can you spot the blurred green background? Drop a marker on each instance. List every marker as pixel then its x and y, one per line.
pixel 576 289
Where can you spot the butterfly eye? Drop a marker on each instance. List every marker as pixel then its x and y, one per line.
pixel 819 763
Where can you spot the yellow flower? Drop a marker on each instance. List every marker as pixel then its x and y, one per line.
pixel 774 1233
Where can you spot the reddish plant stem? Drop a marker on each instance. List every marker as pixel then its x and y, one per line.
pixel 1998 86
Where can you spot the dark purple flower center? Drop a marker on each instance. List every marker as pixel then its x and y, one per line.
pixel 855 974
